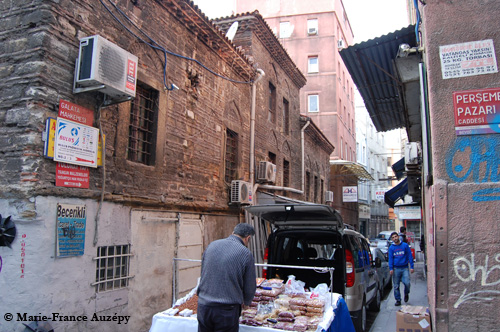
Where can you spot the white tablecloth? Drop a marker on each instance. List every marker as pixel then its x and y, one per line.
pixel 165 323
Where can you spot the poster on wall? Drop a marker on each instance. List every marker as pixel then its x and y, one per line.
pixel 76 143
pixel 350 194
pixel 477 111
pixel 468 59
pixel 70 230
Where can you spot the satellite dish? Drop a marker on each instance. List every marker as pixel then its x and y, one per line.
pixel 232 31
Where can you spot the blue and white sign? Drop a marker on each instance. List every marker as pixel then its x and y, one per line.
pixel 76 143
pixel 70 229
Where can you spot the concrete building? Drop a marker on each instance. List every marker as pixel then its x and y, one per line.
pixel 90 241
pixel 439 80
pixel 371 152
pixel 313 33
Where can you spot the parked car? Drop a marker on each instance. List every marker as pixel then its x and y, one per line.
pixel 382 244
pixel 385 235
pixel 362 282
pixel 382 267
pixel 304 235
pixel 314 235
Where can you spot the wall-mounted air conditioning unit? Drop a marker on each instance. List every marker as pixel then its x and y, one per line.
pixel 241 192
pixel 340 43
pixel 106 67
pixel 266 172
pixel 312 31
pixel 328 196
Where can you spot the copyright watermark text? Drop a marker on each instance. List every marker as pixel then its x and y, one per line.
pixel 57 317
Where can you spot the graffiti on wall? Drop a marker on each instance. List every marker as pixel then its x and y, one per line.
pixel 476 158
pixel 483 272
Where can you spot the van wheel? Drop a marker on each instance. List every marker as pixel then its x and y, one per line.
pixel 360 321
pixel 375 304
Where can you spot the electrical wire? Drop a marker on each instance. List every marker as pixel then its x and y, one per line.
pixel 157 46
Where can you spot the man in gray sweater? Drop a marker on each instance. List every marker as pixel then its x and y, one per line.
pixel 227 281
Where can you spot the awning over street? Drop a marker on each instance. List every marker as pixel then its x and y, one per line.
pixel 353 168
pixel 399 168
pixel 396 193
pixel 391 98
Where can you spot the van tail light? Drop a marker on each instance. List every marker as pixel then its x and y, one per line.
pixel 264 269
pixel 349 269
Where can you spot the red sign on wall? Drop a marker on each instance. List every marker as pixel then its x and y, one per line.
pixel 72 176
pixel 75 113
pixel 477 111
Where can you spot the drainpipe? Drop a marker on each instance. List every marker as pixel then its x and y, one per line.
pixel 260 75
pixel 302 142
pixel 293 190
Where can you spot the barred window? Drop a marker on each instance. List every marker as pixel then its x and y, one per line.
pixel 231 155
pixel 272 104
pixel 142 128
pixel 286 117
pixel 112 267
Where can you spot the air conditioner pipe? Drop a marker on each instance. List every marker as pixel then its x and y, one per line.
pixel 260 75
pixel 293 190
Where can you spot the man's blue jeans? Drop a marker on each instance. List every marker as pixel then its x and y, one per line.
pixel 400 274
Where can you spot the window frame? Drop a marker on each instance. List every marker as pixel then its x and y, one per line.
pixel 143 128
pixel 105 283
pixel 312 68
pixel 309 103
pixel 231 156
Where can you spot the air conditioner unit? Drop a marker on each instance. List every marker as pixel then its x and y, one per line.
pixel 241 192
pixel 340 43
pixel 104 66
pixel 266 172
pixel 312 31
pixel 329 196
pixel 412 153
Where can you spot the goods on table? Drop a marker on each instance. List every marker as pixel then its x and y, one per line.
pixel 283 307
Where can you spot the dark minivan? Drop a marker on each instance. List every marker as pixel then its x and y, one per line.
pixel 313 235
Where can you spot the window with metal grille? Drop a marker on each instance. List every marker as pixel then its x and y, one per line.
pixel 286 117
pixel 112 267
pixel 231 155
pixel 272 104
pixel 142 128
pixel 286 173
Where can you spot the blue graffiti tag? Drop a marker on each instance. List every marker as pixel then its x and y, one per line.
pixel 483 163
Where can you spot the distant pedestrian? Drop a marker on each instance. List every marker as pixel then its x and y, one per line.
pixel 402 234
pixel 399 257
pixel 227 281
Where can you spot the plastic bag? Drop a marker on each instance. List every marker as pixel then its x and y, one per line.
pixel 294 287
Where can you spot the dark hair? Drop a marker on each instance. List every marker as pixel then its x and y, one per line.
pixel 402 229
pixel 393 234
pixel 244 230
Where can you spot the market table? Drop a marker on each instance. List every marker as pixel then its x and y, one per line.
pixel 335 319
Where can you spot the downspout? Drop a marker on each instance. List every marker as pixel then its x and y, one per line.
pixel 302 143
pixel 260 75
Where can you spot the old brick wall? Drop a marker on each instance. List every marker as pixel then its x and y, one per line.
pixel 41 52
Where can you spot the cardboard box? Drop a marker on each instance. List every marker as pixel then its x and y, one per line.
pixel 413 319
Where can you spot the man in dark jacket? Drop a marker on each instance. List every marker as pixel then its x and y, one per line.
pixel 227 281
pixel 399 257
